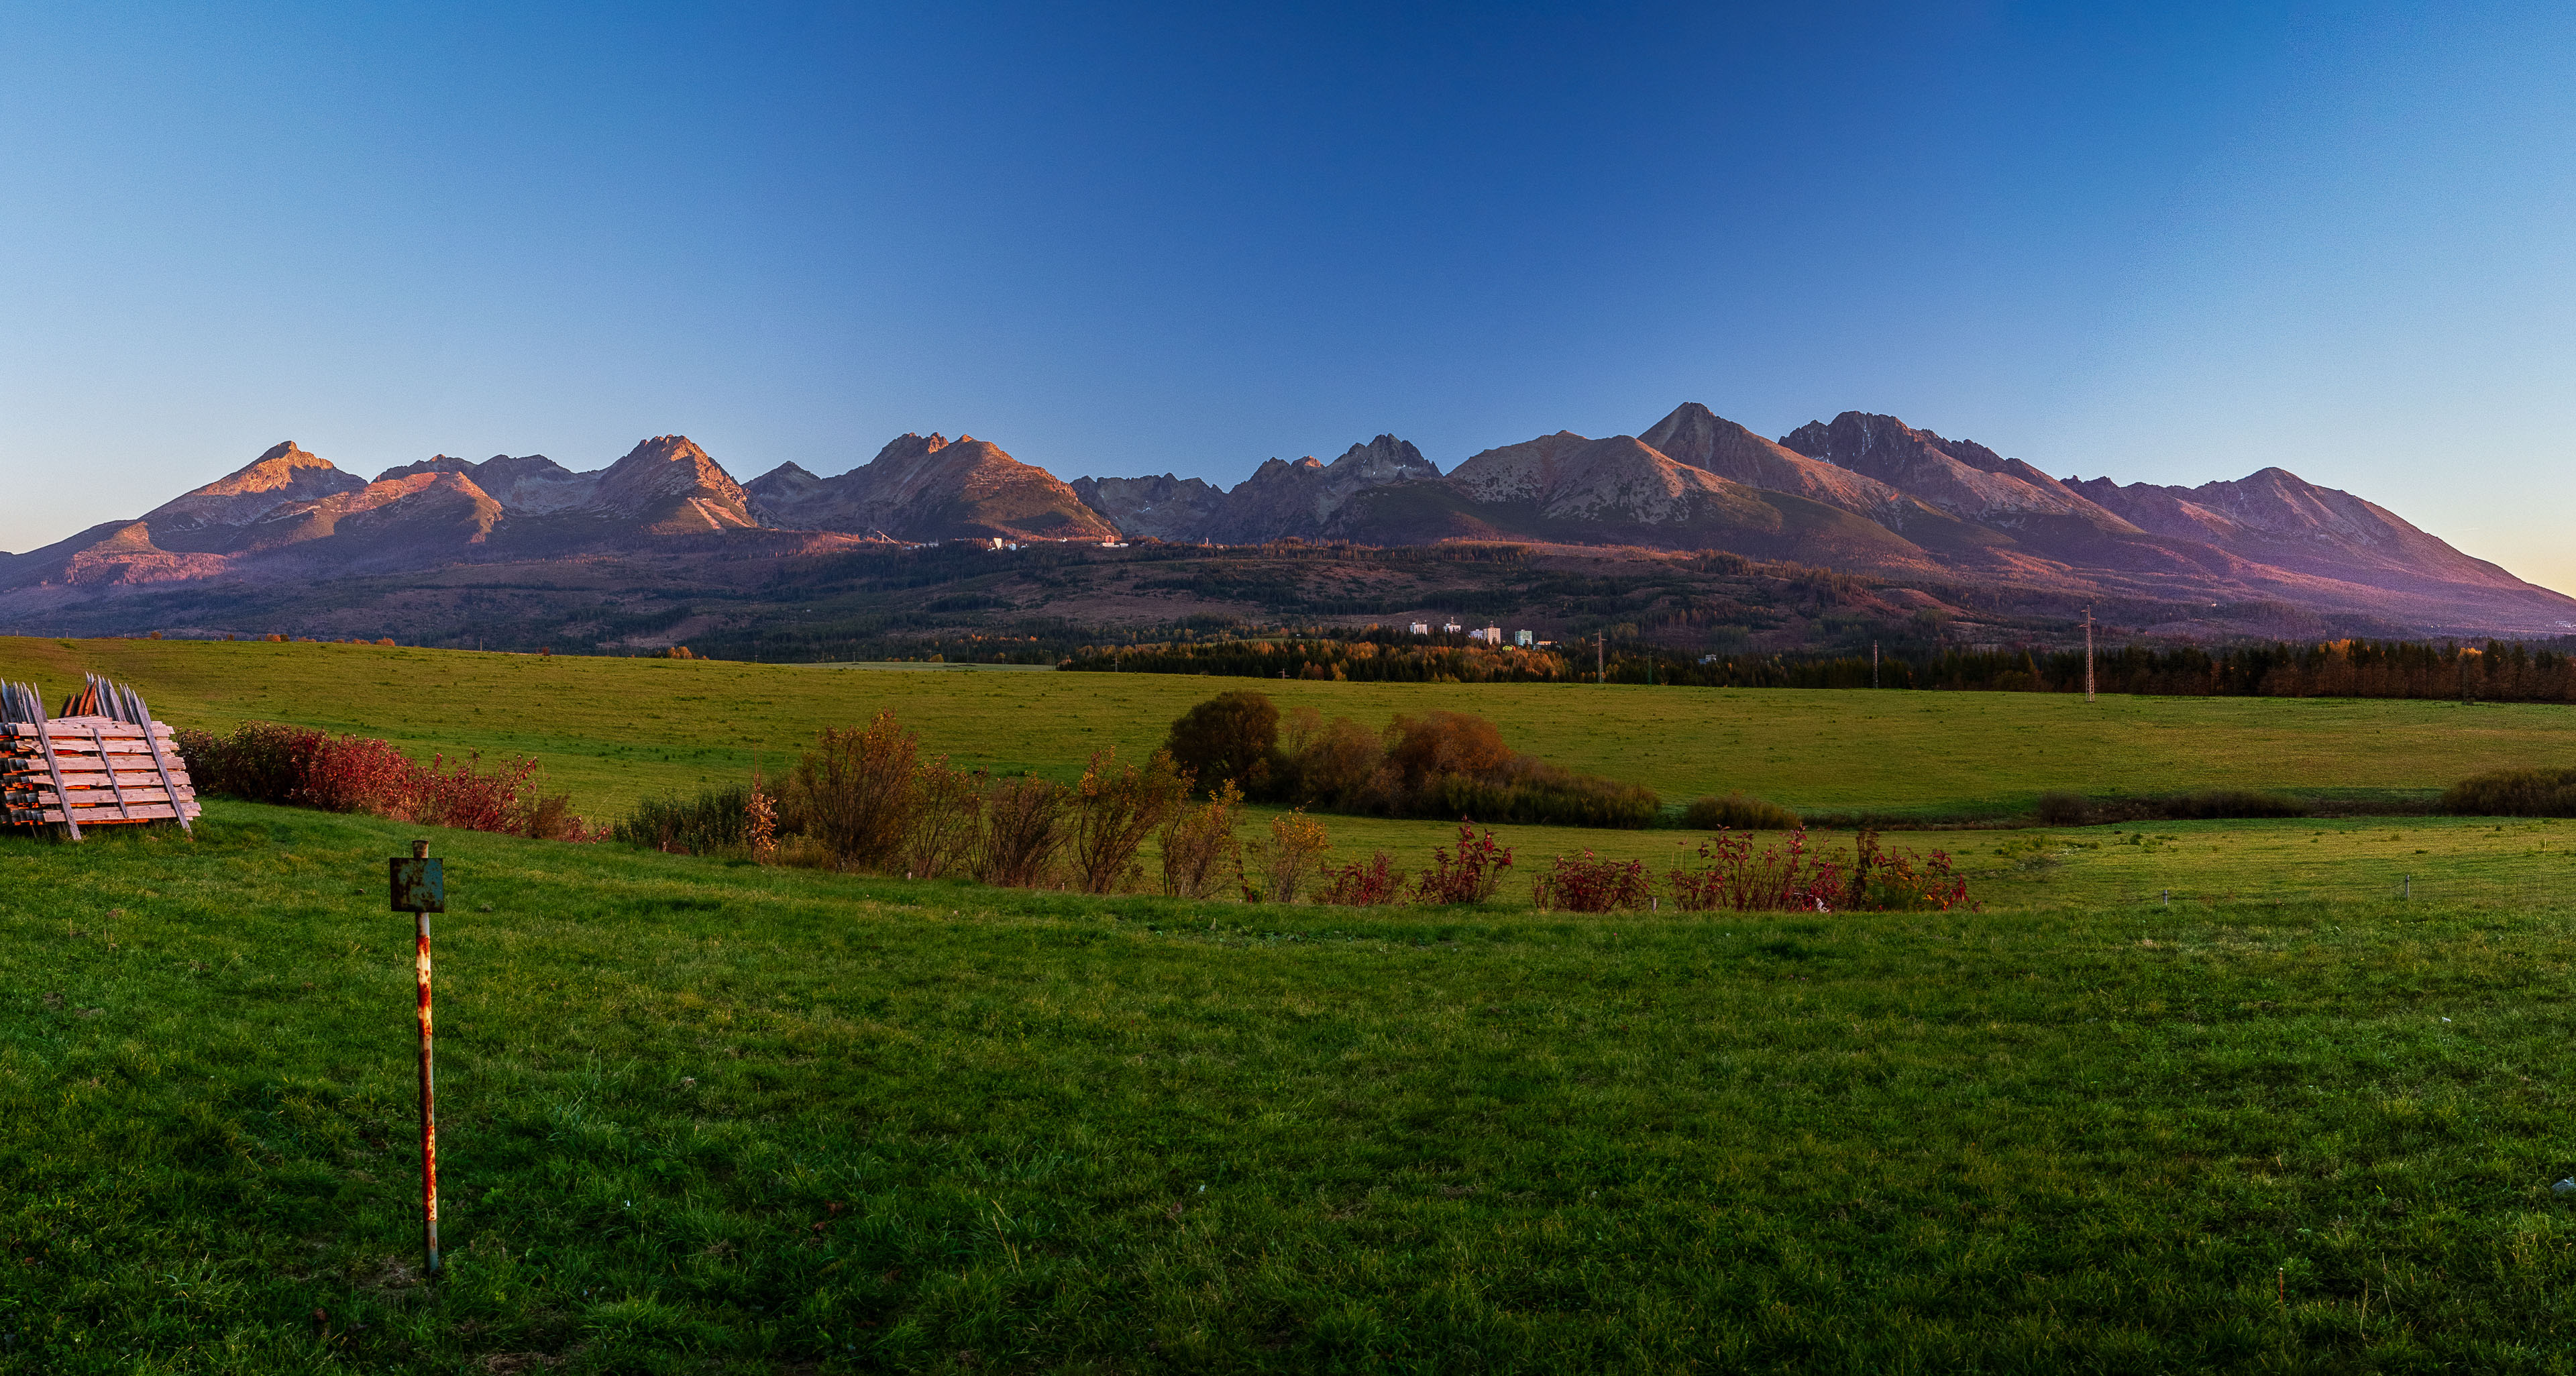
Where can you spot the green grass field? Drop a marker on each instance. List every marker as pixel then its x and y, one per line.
pixel 701 1116
pixel 614 729
pixel 710 1117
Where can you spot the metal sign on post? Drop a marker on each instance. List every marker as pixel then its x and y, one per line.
pixel 420 888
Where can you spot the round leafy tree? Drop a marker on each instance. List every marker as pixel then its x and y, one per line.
pixel 1230 738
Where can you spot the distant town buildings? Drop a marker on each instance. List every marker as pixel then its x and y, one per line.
pixel 1489 635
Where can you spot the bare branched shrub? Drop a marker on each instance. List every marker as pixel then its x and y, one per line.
pixel 855 793
pixel 1115 808
pixel 1024 827
pixel 1198 844
pixel 947 818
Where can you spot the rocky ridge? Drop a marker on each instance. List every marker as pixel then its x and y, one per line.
pixel 1862 492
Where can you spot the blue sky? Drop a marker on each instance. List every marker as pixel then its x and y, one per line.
pixel 2163 242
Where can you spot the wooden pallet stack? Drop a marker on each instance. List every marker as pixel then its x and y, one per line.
pixel 101 761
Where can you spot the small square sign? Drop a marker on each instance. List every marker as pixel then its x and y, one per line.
pixel 420 886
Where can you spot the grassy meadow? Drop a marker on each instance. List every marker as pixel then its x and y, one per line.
pixel 703 1116
pixel 711 1117
pixel 612 730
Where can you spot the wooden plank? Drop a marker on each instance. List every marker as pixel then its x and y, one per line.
pixel 26 817
pixel 90 778
pixel 89 764
pixel 91 797
pixel 80 727
pixel 82 745
pixel 54 766
pixel 113 785
pixel 161 766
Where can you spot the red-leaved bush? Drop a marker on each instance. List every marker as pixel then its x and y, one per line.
pixel 297 766
pixel 1592 886
pixel 1901 881
pixel 1787 877
pixel 1781 877
pixel 1466 874
pixel 1363 883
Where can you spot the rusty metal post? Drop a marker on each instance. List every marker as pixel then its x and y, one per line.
pixel 419 888
pixel 428 1091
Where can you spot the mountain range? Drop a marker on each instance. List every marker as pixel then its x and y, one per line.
pixel 1861 493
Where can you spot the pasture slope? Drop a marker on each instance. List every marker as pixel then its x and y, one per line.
pixel 612 730
pixel 712 1117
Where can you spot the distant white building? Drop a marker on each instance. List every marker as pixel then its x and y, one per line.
pixel 1422 628
pixel 1524 638
pixel 1451 627
pixel 1475 635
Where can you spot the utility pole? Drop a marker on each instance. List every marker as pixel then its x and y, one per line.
pixel 1873 664
pixel 2088 654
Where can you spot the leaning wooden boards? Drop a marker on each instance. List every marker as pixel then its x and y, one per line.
pixel 88 771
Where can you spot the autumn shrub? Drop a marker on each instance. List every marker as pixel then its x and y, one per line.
pixel 855 793
pixel 1363 883
pixel 1592 886
pixel 1443 764
pixel 760 823
pixel 1523 789
pixel 1337 764
pixel 1467 872
pixel 1736 812
pixel 465 796
pixel 359 774
pixel 1115 807
pixel 1199 845
pixel 1882 880
pixel 1425 749
pixel 1295 850
pixel 2543 792
pixel 297 766
pixel 1024 828
pixel 947 816
pixel 1733 877
pixel 258 762
pixel 1790 877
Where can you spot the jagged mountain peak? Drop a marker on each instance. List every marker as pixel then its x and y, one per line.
pixel 282 465
pixel 1398 459
pixel 1700 438
pixel 282 475
pixel 911 446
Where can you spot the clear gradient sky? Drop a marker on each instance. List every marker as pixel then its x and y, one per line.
pixel 2161 241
